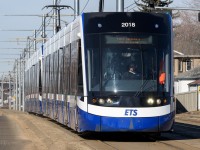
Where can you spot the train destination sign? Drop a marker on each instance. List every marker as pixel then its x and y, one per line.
pixel 110 39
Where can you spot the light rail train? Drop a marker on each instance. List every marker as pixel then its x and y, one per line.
pixel 78 77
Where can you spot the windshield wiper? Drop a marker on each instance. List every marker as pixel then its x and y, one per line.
pixel 141 87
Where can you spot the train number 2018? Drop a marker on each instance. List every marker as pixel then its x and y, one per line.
pixel 127 24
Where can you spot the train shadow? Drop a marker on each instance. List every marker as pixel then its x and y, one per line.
pixel 182 131
pixel 118 137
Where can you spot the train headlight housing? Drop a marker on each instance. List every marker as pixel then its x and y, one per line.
pixel 158 101
pixel 165 101
pixel 105 101
pixel 94 100
pixel 150 101
pixel 101 101
pixel 153 101
pixel 109 101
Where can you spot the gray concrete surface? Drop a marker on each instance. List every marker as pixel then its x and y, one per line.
pixel 11 135
pixel 23 131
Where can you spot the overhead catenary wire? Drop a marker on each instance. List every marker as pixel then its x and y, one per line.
pixel 130 7
pixel 85 6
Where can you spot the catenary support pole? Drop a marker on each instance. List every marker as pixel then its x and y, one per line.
pixel 9 97
pixel 20 91
pixel 120 5
pixel 76 8
pixel 16 86
pixel 2 90
pixel 23 84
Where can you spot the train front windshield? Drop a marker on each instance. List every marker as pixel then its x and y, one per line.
pixel 110 56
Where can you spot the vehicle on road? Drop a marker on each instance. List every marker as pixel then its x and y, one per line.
pixel 77 78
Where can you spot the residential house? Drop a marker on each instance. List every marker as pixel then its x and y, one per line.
pixel 184 63
pixel 183 82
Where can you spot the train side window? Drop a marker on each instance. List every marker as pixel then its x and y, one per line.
pixel 66 67
pixel 47 74
pixel 74 68
pixel 61 71
pixel 80 71
pixel 51 73
pixel 55 90
pixel 35 79
pixel 43 76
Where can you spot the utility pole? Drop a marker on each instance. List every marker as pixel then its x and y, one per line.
pixel 44 28
pixel 54 17
pixel 2 89
pixel 120 5
pixel 101 5
pixel 57 8
pixel 20 91
pixel 9 97
pixel 35 43
pixel 23 83
pixel 16 87
pixel 76 8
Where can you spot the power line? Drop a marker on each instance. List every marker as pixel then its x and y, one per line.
pixel 15 30
pixel 7 58
pixel 129 6
pixel 11 41
pixel 9 54
pixel 21 15
pixel 177 8
pixel 85 6
pixel 10 48
pixel 6 61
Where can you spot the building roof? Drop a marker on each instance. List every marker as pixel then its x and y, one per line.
pixel 193 74
pixel 186 56
pixel 197 82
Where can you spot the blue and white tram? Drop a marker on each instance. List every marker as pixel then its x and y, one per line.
pixel 83 84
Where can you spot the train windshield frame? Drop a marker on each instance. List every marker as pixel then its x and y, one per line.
pixel 109 56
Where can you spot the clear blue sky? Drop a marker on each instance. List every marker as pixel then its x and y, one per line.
pixel 34 7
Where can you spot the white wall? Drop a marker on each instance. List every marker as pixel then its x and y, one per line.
pixel 192 88
pixel 181 86
pixel 1 103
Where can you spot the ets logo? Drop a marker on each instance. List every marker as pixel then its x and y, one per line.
pixel 131 112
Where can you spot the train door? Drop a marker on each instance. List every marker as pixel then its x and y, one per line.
pixel 75 82
pixel 79 82
pixel 40 86
pixel 66 83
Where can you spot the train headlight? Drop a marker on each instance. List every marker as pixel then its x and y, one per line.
pixel 101 101
pixel 109 101
pixel 158 101
pixel 165 101
pixel 94 100
pixel 150 101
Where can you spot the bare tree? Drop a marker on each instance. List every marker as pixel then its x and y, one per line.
pixel 187 34
pixel 146 5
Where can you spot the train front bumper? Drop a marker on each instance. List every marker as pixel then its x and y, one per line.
pixel 91 122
